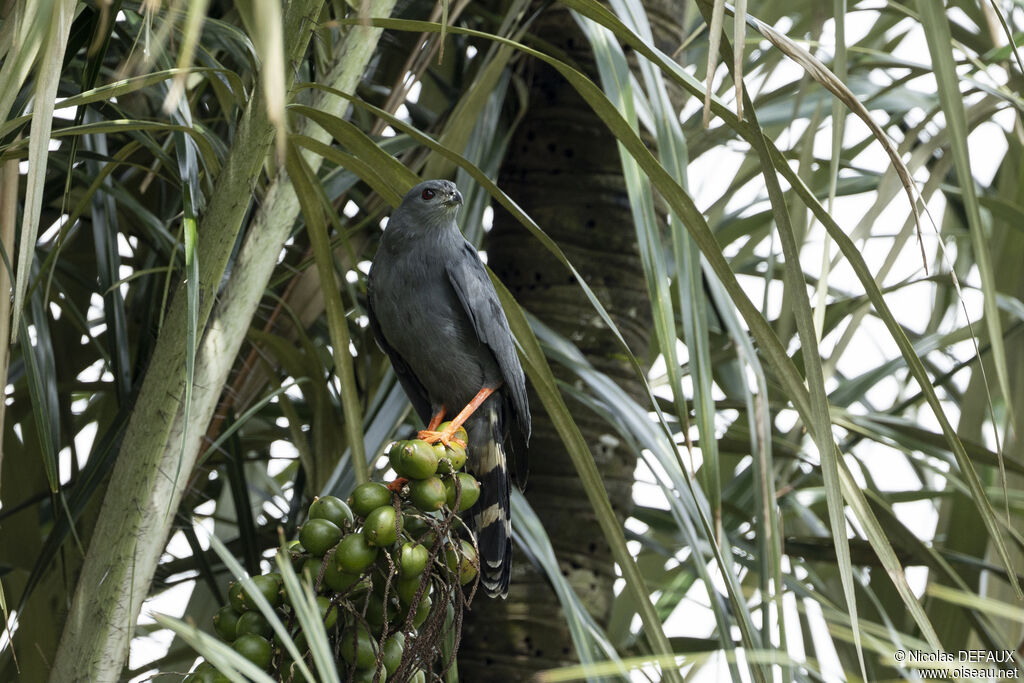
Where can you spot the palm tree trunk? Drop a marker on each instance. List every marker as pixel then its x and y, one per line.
pixel 563 168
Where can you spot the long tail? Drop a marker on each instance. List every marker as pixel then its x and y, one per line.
pixel 491 516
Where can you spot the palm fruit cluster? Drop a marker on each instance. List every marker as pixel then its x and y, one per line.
pixel 387 568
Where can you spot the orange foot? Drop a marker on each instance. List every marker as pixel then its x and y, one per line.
pixel 448 435
pixel 431 435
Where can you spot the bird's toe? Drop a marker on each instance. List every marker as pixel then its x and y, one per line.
pixel 446 437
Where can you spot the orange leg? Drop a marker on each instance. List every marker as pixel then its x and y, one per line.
pixel 436 420
pixel 431 436
pixel 397 484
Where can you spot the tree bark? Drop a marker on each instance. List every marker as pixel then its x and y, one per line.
pixel 563 168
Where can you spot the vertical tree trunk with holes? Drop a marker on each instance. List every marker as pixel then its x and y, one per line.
pixel 563 168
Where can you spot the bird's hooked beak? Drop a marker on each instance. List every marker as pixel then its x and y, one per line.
pixel 454 198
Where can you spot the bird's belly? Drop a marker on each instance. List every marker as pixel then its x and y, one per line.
pixel 436 339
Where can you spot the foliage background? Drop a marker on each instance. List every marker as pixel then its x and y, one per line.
pixel 829 463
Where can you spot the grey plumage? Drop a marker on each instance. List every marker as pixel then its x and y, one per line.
pixel 434 312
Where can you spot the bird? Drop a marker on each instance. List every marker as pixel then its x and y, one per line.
pixel 435 314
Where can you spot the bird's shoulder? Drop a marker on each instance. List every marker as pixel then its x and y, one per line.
pixel 463 260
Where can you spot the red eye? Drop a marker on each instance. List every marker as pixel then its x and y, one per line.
pixel 428 194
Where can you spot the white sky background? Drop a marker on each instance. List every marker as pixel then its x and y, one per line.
pixel 709 176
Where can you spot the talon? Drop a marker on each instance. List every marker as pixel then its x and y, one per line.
pixel 445 437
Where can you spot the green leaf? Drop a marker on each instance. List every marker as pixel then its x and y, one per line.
pixel 543 383
pixel 937 32
pixel 42 121
pixel 590 642
pixel 336 320
pixel 293 590
pixel 237 668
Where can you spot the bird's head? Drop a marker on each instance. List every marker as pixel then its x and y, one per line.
pixel 431 201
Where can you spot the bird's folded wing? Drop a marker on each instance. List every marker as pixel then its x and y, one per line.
pixel 476 293
pixel 410 383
